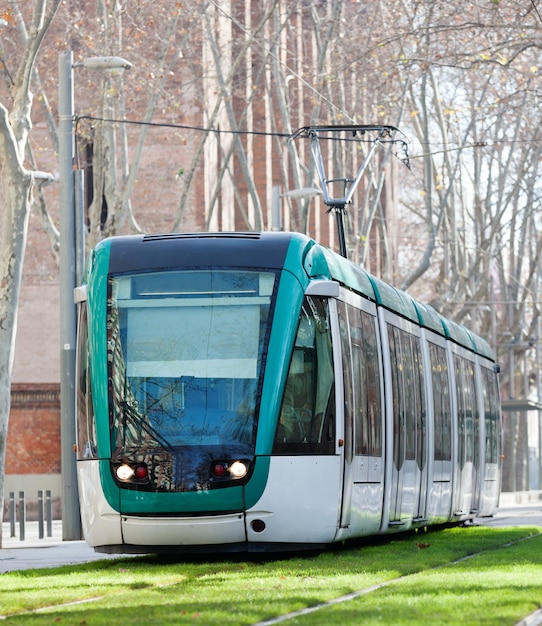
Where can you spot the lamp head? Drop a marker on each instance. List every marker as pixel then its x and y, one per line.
pixel 105 63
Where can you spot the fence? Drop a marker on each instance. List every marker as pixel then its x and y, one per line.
pixel 45 514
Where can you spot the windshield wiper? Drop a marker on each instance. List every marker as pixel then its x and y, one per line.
pixel 144 425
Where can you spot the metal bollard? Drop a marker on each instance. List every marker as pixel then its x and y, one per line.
pixel 12 514
pixel 49 512
pixel 40 514
pixel 22 516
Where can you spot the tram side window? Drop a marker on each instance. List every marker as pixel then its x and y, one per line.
pixel 408 371
pixel 420 411
pixel 461 411
pixel 367 400
pixel 348 382
pixel 86 425
pixel 475 422
pixel 441 403
pixel 397 397
pixel 491 415
pixel 306 422
pixel 466 402
pixel 415 394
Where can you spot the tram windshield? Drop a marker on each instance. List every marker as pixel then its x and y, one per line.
pixel 185 353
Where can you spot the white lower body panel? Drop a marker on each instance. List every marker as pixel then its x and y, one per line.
pixel 439 503
pixel 489 498
pixel 301 502
pixel 100 522
pixel 365 511
pixel 183 531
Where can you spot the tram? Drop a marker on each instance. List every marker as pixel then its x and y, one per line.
pixel 258 392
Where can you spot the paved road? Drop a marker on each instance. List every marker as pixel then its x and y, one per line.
pixel 529 514
pixel 47 552
pixel 52 551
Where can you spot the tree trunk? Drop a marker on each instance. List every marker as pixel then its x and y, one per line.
pixel 16 183
pixel 16 186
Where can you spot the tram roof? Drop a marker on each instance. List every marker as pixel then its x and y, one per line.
pixel 459 334
pixel 321 261
pixel 429 318
pixel 394 299
pixel 246 249
pixel 482 346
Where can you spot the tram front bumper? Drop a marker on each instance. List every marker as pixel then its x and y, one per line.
pixel 183 531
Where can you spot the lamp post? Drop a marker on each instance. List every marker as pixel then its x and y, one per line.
pixel 69 244
pixel 305 193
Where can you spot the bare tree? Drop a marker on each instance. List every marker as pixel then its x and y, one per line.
pixel 218 86
pixel 17 181
pixel 472 110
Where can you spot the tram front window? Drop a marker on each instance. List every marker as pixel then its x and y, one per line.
pixel 185 352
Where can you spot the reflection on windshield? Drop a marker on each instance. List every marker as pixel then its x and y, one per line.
pixel 185 352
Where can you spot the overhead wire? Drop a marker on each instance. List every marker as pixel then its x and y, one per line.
pixel 405 159
pixel 201 129
pixel 403 142
pixel 536 10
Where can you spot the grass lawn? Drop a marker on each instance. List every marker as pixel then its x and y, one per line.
pixel 427 583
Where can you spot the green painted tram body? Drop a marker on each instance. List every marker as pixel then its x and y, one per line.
pixel 305 263
pixel 293 283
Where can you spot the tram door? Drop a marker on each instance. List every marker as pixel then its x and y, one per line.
pixel 490 442
pixel 408 473
pixel 363 482
pixel 467 478
pixel 440 490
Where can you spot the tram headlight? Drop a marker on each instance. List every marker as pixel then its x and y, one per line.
pixel 238 469
pixel 225 470
pixel 124 472
pixel 127 472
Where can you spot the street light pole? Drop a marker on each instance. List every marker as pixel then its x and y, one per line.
pixel 71 524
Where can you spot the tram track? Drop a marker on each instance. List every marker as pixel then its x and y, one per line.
pixel 65 605
pixel 534 619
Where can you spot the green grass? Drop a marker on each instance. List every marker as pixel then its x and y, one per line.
pixel 499 586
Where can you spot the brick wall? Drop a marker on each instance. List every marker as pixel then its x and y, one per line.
pixel 33 445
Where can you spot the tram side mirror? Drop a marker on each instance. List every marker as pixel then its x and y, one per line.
pixel 324 288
